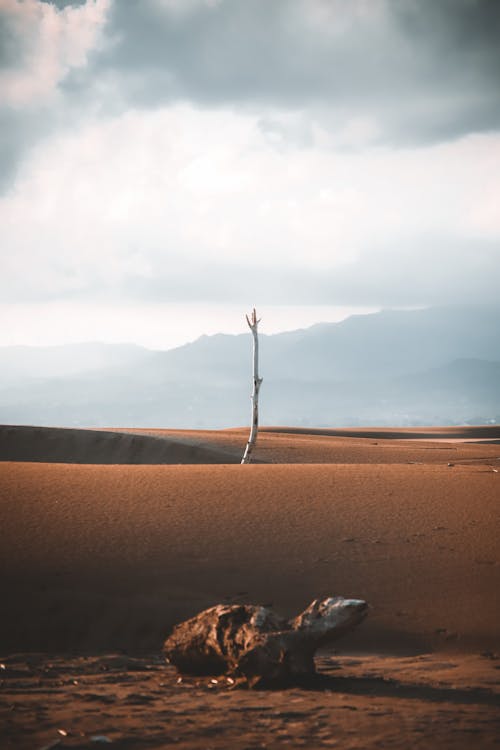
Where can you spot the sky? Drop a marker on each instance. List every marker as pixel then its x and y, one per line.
pixel 166 165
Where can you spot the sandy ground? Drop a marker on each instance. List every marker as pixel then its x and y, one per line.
pixel 99 558
pixel 370 702
pixel 275 445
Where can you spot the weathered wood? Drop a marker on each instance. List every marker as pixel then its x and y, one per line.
pixel 255 644
pixel 253 323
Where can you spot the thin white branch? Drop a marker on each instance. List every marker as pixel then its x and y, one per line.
pixel 253 323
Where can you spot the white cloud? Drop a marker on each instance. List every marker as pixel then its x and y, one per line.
pixel 51 42
pixel 146 198
pixel 258 164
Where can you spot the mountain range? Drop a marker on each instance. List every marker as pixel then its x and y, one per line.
pixel 395 367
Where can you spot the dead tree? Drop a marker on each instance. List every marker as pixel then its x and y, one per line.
pixel 253 323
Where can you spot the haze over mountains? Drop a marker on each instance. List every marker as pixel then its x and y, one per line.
pixel 433 366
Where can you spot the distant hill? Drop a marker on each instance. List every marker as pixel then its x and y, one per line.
pixel 433 366
pixel 59 361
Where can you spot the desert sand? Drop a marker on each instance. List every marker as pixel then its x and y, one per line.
pixel 109 537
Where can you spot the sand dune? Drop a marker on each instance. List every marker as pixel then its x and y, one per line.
pixel 112 556
pixel 462 432
pixel 275 445
pixel 100 555
pixel 63 445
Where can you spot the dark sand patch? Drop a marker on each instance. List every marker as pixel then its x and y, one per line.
pixel 77 446
pixel 465 432
pixel 429 701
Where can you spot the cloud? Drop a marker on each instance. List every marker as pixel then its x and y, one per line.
pixel 41 44
pixel 429 270
pixel 416 72
pixel 182 204
pixel 286 152
pixel 392 72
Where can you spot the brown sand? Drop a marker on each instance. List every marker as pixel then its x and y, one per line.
pixel 106 557
pixel 275 445
pixel 422 702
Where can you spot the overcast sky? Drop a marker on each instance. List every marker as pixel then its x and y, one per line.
pixel 167 164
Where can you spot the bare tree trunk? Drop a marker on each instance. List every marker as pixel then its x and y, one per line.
pixel 253 324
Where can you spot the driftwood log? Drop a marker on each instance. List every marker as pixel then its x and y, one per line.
pixel 253 643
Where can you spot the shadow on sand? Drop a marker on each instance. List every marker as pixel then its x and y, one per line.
pixel 381 687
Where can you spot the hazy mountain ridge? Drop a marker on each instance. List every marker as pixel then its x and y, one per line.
pixel 65 360
pixel 440 365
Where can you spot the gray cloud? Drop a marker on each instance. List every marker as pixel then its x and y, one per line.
pixel 425 272
pixel 424 71
pixel 15 125
pixel 36 53
pixel 419 72
pixel 61 4
pixel 20 130
pixel 434 271
pixel 11 46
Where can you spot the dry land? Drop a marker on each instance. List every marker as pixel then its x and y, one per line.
pixel 109 537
